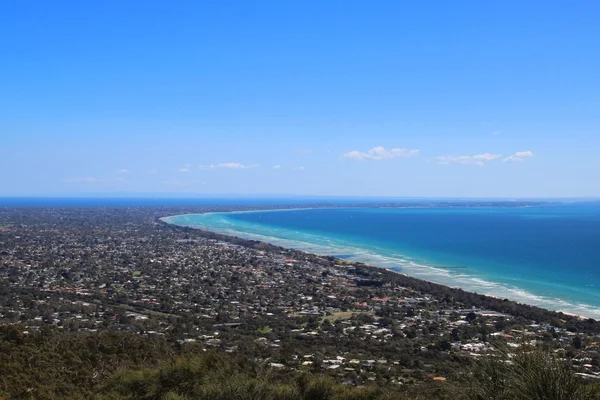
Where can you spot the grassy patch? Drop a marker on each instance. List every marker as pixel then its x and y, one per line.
pixel 265 329
pixel 343 315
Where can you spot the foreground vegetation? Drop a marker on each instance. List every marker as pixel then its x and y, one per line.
pixel 530 376
pixel 119 366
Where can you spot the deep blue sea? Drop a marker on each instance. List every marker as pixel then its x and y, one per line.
pixel 545 255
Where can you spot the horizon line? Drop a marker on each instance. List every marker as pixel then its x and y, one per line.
pixel 271 196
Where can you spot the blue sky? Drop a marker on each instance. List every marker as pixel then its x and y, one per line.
pixel 361 98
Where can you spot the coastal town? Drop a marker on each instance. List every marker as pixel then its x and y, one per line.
pixel 94 270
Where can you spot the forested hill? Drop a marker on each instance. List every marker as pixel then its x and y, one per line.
pixel 122 366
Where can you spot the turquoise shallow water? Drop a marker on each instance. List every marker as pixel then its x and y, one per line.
pixel 547 256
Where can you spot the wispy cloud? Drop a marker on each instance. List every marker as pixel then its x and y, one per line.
pixel 301 168
pixel 122 171
pixel 276 166
pixel 478 159
pixel 93 180
pixel 380 153
pixel 305 152
pixel 519 156
pixel 186 168
pixel 228 165
pixel 233 165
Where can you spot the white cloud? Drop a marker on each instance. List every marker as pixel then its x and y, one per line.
pixel 234 165
pixel 184 169
pixel 518 156
pixel 305 152
pixel 228 165
pixel 92 180
pixel 478 159
pixel 122 171
pixel 299 169
pixel 276 166
pixel 380 153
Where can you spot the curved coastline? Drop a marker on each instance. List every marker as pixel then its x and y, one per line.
pixel 165 219
pixel 441 276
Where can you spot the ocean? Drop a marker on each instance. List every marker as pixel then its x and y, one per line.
pixel 548 256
